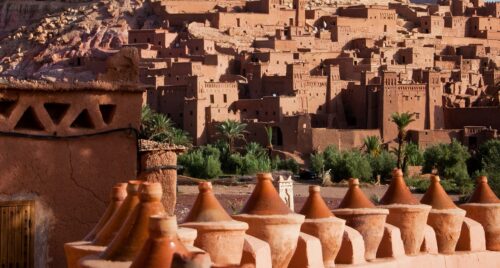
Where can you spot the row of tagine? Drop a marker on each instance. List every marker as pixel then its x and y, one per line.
pixel 401 232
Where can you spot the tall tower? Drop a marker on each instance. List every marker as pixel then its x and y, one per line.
pixel 300 12
pixel 389 104
pixel 434 117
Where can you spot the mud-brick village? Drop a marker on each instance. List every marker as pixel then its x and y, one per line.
pixel 249 133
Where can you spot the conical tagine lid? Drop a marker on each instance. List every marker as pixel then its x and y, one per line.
pixel 207 208
pixel 355 198
pixel 483 193
pixel 134 232
pixel 158 251
pixel 436 196
pixel 315 207
pixel 118 194
pixel 398 192
pixel 111 228
pixel 264 199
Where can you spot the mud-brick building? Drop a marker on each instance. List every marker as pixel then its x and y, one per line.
pixel 61 149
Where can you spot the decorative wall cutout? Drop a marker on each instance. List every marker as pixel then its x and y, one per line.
pixel 83 120
pixel 107 112
pixel 6 107
pixel 56 111
pixel 29 121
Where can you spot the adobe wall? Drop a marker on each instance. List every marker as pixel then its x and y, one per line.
pixel 45 158
pixel 456 118
pixel 341 139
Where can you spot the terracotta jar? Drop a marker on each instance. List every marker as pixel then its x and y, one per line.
pixel 120 196
pixel 405 212
pixel 361 214
pixel 445 217
pixel 321 223
pixel 110 229
pixel 484 207
pixel 218 234
pixel 270 219
pixel 159 249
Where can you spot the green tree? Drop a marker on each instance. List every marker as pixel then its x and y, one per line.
pixel 317 163
pixel 159 128
pixel 372 145
pixel 450 161
pixel 402 120
pixel 489 158
pixel 231 131
pixel 202 162
pixel 413 155
pixel 382 164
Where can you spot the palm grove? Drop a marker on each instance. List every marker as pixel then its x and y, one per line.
pixel 373 162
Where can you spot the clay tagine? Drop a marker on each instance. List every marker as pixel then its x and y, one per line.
pixel 361 214
pixel 133 234
pixel 445 217
pixel 270 219
pixel 218 234
pixel 321 223
pixel 484 207
pixel 118 194
pixel 405 212
pixel 119 205
pixel 159 249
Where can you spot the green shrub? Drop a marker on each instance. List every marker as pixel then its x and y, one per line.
pixel 489 158
pixel 317 163
pixel 201 163
pixel 421 185
pixel 382 164
pixel 286 164
pixel 450 160
pixel 414 156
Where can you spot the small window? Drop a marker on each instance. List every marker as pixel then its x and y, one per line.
pixel 417 115
pixel 225 98
pixel 212 99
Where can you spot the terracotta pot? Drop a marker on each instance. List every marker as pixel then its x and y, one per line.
pixel 77 250
pixel 321 223
pixel 411 221
pixel 222 240
pixel 270 219
pixel 159 249
pixel 369 222
pixel 447 224
pixel 281 232
pixel 484 207
pixel 118 194
pixel 445 218
pixel 330 232
pixel 405 212
pixel 187 236
pixel 488 215
pixel 218 234
pixel 134 231
pixel 109 230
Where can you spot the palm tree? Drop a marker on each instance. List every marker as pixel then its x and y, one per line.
pixel 372 145
pixel 269 133
pixel 232 131
pixel 402 121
